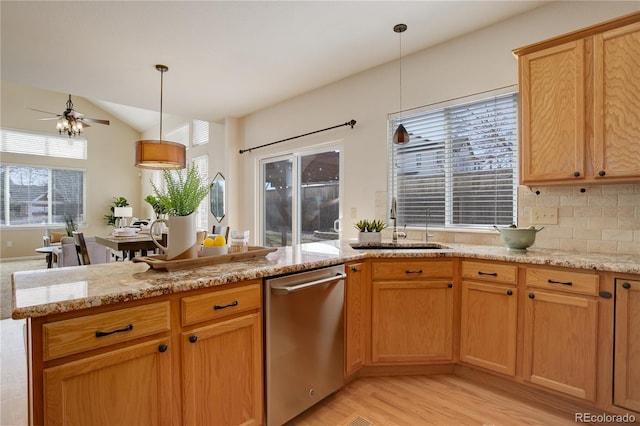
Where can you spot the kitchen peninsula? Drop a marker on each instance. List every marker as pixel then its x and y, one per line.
pixel 154 336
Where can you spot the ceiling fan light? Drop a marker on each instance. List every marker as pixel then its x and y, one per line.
pixel 159 155
pixel 400 136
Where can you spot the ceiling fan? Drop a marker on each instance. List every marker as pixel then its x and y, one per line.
pixel 70 121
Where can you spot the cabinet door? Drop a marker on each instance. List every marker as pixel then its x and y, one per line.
pixel 627 345
pixel 552 119
pixel 130 386
pixel 617 103
pixel 488 326
pixel 560 342
pixel 355 296
pixel 222 373
pixel 412 321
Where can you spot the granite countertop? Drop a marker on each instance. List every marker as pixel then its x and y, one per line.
pixel 49 291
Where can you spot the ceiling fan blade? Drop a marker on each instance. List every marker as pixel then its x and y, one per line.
pixel 49 118
pixel 46 112
pixel 94 120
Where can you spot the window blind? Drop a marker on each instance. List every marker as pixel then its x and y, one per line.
pixel 460 167
pixel 22 142
pixel 200 132
pixel 202 213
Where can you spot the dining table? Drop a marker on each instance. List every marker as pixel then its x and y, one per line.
pixel 130 245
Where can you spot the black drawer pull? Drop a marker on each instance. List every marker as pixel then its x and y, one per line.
pixel 493 274
pixel 106 333
pixel 532 296
pixel 193 338
pixel 415 271
pixel 626 286
pixel 163 347
pixel 217 307
pixel 509 292
pixel 450 285
pixel 550 281
pixel 354 269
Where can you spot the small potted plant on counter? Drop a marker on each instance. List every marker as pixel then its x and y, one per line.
pixel 370 231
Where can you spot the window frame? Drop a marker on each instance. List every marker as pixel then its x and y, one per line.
pixel 80 221
pixel 510 92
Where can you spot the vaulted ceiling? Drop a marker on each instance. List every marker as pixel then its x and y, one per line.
pixel 225 58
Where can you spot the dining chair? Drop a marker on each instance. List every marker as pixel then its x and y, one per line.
pixel 81 247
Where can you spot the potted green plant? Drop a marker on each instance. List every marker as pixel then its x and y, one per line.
pixel 370 230
pixel 183 193
pixel 158 208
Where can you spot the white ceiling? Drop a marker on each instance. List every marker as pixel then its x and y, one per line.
pixel 225 58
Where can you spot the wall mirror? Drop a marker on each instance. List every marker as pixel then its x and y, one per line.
pixel 216 195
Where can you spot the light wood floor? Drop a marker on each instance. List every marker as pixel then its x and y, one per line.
pixel 427 400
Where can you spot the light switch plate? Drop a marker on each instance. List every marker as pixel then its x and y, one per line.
pixel 544 216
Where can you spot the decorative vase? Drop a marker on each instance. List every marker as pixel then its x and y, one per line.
pixel 181 238
pixel 369 237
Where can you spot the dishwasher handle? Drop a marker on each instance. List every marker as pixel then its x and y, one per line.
pixel 281 290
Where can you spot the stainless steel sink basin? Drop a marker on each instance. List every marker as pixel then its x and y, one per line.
pixel 399 246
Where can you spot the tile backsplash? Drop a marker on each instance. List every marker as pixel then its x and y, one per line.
pixel 591 219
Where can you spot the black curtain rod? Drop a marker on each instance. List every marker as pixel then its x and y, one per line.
pixel 348 123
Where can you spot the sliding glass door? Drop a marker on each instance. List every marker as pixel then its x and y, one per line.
pixel 300 198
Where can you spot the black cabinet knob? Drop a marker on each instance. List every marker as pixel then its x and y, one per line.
pixel 626 286
pixel 193 339
pixel 602 173
pixel 509 292
pixel 450 285
pixel 576 174
pixel 163 348
pixel 532 296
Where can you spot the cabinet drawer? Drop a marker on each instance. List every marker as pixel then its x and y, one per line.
pixel 219 304
pixel 412 270
pixel 75 335
pixel 487 271
pixel 569 281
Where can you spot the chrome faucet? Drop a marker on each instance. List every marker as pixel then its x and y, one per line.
pixel 426 226
pixel 394 215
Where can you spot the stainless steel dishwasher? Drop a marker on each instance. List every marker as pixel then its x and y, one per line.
pixel 304 337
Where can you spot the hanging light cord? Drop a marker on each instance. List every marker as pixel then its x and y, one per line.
pixel 162 69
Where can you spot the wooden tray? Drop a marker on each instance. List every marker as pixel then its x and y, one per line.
pixel 159 262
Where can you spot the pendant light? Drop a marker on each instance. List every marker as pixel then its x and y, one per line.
pixel 400 136
pixel 160 154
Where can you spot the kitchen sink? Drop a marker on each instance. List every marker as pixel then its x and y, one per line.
pixel 399 246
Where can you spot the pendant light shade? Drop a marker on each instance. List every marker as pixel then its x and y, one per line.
pixel 400 136
pixel 160 154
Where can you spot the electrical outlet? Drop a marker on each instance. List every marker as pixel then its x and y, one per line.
pixel 544 216
pixel 354 213
pixel 9 243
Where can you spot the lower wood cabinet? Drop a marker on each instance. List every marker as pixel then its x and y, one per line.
pixel 627 345
pixel 222 373
pixel 355 316
pixel 129 386
pixel 561 331
pixel 488 326
pixel 412 322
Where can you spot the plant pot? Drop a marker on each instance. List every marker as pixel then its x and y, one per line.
pixel 181 239
pixel 369 237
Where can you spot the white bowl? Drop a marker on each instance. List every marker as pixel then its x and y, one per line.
pixel 214 250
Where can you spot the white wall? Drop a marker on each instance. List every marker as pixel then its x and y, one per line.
pixel 109 168
pixel 471 64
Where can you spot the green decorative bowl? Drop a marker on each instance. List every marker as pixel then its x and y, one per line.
pixel 518 240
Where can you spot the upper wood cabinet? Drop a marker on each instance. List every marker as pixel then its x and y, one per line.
pixel 580 106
